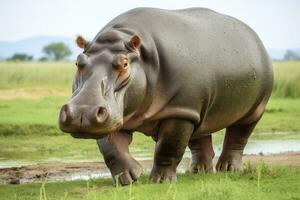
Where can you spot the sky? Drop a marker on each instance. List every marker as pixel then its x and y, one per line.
pixel 277 22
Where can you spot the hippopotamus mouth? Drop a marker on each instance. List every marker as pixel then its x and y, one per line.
pixel 87 135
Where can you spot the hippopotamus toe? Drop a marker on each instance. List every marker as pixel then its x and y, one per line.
pixel 230 161
pixel 126 171
pixel 129 176
pixel 163 174
pixel 202 166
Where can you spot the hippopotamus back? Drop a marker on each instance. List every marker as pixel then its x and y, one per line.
pixel 204 66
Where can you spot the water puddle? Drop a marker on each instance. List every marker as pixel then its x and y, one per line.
pixel 84 176
pixel 272 146
pixel 56 169
pixel 254 147
pixel 261 147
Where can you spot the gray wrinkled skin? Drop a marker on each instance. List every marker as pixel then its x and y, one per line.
pixel 194 72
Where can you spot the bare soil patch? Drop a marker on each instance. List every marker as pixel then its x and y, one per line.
pixel 71 171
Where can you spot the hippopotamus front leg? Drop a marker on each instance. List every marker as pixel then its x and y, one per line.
pixel 173 137
pixel 202 154
pixel 118 159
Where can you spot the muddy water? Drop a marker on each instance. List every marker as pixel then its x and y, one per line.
pixel 272 146
pixel 268 147
pixel 58 170
pixel 259 147
pixel 254 147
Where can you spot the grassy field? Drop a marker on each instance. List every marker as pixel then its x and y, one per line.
pixel 37 76
pixel 32 93
pixel 287 79
pixel 29 133
pixel 256 182
pixel 42 77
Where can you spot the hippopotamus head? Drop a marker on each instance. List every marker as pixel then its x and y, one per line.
pixel 109 85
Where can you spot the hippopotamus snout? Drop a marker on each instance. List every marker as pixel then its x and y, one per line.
pixel 83 120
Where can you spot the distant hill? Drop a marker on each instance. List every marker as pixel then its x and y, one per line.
pixel 33 46
pixel 278 54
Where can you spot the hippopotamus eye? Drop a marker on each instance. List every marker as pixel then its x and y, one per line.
pixel 125 65
pixel 121 62
pixel 82 60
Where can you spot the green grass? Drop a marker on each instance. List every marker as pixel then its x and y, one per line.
pixel 43 111
pixel 31 149
pixel 28 123
pixel 32 93
pixel 29 131
pixel 46 75
pixel 61 147
pixel 287 79
pixel 257 182
pixel 58 76
pixel 39 116
pixel 282 115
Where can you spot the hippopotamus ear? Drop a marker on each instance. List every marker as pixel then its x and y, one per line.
pixel 81 42
pixel 135 43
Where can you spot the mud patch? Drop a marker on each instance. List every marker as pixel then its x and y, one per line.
pixel 87 170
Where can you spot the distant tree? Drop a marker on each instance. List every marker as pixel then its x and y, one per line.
pixel 291 55
pixel 20 57
pixel 57 51
pixel 43 59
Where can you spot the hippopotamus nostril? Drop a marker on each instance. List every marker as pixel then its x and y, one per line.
pixel 81 119
pixel 64 113
pixel 102 114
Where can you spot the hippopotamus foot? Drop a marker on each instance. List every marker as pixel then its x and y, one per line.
pixel 202 154
pixel 230 160
pixel 161 174
pixel 123 167
pixel 173 138
pixel 236 138
pixel 126 169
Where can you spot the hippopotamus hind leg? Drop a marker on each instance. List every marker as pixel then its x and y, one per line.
pixel 236 138
pixel 202 154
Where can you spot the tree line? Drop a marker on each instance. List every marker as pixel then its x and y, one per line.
pixel 59 51
pixel 291 55
pixel 54 51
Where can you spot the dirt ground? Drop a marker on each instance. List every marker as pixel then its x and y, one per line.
pixel 85 170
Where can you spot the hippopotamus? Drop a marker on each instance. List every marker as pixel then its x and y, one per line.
pixel 175 75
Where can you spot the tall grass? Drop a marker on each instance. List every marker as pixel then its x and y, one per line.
pixel 18 75
pixel 286 79
pixel 49 75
